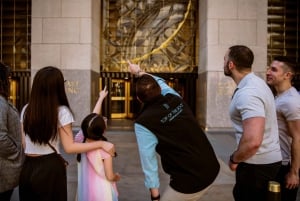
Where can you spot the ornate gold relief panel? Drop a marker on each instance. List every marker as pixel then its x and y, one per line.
pixel 157 34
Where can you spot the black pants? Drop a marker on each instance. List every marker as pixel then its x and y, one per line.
pixel 5 196
pixel 252 181
pixel 43 178
pixel 286 194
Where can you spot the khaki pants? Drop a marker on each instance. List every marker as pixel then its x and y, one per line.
pixel 171 195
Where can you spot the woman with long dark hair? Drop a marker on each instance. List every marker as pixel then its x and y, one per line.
pixel 47 121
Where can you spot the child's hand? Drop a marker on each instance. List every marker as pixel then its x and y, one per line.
pixel 117 177
pixel 103 93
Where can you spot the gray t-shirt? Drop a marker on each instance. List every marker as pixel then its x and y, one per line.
pixel 255 99
pixel 288 109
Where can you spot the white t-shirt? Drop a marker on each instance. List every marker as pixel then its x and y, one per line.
pixel 288 109
pixel 64 117
pixel 255 99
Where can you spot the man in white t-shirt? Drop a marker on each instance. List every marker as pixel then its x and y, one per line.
pixel 287 100
pixel 257 158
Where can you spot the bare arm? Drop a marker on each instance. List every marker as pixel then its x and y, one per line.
pixel 292 178
pixel 66 136
pixel 102 95
pixel 109 173
pixel 251 140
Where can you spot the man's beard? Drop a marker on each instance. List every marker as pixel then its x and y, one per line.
pixel 227 72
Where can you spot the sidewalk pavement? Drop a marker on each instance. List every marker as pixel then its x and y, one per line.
pixel 131 186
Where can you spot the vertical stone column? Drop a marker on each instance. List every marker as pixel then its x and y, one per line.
pixel 65 34
pixel 221 25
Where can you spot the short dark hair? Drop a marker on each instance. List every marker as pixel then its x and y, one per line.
pixel 147 88
pixel 290 64
pixel 241 56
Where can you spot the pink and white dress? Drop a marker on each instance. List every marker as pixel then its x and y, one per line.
pixel 92 182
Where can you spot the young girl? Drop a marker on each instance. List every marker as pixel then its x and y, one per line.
pixel 47 121
pixel 96 179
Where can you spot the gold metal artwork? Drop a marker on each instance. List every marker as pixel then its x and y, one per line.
pixel 157 34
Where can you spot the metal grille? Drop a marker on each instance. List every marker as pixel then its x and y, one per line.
pixel 15 38
pixel 15 41
pixel 283 29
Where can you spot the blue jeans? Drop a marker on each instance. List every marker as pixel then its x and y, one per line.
pixel 252 181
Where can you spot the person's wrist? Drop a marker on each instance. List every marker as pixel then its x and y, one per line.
pixel 231 159
pixel 155 198
pixel 139 73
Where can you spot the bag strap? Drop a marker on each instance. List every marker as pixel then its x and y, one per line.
pixel 50 145
pixel 66 163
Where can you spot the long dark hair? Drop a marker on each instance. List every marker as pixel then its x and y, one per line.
pixel 41 115
pixel 93 127
pixel 4 81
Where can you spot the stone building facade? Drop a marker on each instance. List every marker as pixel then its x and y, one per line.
pixel 65 33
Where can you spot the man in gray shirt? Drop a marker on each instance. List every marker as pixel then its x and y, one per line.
pixel 287 100
pixel 257 158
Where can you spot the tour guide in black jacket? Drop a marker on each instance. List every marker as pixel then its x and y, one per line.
pixel 167 125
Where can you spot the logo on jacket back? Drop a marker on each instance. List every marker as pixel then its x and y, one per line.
pixel 174 113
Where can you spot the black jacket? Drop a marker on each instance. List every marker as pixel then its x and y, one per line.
pixel 186 154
